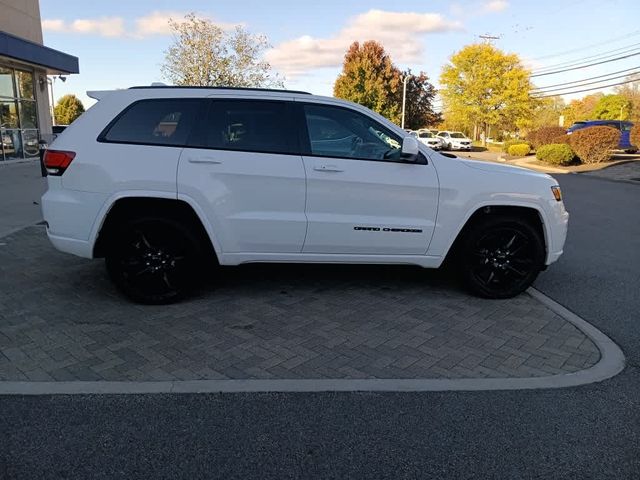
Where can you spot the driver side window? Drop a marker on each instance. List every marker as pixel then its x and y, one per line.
pixel 339 132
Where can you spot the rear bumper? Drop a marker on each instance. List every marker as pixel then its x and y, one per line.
pixel 81 248
pixel 70 216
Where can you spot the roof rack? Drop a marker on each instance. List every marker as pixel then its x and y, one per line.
pixel 252 89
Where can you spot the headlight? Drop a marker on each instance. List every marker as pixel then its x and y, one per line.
pixel 557 193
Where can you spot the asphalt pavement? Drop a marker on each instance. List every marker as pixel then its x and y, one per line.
pixel 585 432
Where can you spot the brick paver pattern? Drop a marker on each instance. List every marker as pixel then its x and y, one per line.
pixel 60 320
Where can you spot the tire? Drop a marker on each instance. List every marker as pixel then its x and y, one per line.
pixel 154 260
pixel 500 256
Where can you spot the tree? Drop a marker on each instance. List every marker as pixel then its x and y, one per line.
pixel 547 111
pixel 419 102
pixel 631 91
pixel 486 87
pixel 369 78
pixel 204 54
pixel 612 107
pixel 581 109
pixel 68 108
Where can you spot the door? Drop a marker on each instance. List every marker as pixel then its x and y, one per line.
pixel 362 197
pixel 241 168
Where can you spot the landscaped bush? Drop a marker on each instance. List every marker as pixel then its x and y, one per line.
pixel 545 135
pixel 515 141
pixel 562 139
pixel 594 144
pixel 556 154
pixel 519 150
pixel 634 136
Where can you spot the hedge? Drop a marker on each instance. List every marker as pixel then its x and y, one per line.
pixel 634 136
pixel 515 141
pixel 556 154
pixel 545 135
pixel 519 150
pixel 594 144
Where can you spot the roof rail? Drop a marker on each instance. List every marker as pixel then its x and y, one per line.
pixel 251 89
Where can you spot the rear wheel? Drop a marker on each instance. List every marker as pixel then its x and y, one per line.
pixel 500 257
pixel 154 260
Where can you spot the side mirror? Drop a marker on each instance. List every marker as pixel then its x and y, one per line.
pixel 410 149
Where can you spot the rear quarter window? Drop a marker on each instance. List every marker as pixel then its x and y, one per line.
pixel 154 122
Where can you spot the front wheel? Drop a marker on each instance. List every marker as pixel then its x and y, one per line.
pixel 154 260
pixel 500 257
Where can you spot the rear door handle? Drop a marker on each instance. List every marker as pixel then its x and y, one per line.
pixel 205 160
pixel 327 168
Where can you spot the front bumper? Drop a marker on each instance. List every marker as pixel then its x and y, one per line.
pixel 557 231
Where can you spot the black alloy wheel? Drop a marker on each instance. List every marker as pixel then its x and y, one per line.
pixel 154 260
pixel 501 257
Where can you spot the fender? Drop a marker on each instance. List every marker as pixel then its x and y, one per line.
pixel 448 242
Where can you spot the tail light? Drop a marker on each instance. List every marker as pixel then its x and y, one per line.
pixel 57 161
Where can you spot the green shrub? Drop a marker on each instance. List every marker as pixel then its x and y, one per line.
pixel 514 141
pixel 519 150
pixel 556 154
pixel 594 144
pixel 545 135
pixel 634 136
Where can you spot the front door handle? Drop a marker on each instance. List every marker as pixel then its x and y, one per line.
pixel 327 168
pixel 205 160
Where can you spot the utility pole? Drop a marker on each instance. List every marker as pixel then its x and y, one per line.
pixel 404 95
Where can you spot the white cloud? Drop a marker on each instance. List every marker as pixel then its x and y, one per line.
pixel 155 23
pixel 496 5
pixel 400 33
pixel 103 26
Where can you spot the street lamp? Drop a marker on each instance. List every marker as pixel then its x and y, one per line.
pixel 51 81
pixel 405 78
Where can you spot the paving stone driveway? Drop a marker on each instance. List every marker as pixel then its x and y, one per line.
pixel 60 319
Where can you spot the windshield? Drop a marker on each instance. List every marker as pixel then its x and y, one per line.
pixel 458 135
pixel 425 135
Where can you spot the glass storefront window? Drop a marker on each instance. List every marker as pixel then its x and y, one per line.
pixel 18 115
pixel 24 82
pixel 12 144
pixel 6 83
pixel 8 114
pixel 28 114
pixel 30 144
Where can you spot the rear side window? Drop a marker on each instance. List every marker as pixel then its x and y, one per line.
pixel 154 122
pixel 247 125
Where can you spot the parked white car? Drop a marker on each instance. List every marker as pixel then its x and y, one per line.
pixel 430 140
pixel 455 140
pixel 165 182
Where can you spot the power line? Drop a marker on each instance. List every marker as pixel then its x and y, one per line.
pixel 590 78
pixel 598 56
pixel 586 47
pixel 586 89
pixel 584 84
pixel 602 56
pixel 588 65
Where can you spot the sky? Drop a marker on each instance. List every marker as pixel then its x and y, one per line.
pixel 122 43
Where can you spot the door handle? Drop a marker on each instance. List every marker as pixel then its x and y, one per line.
pixel 327 168
pixel 205 160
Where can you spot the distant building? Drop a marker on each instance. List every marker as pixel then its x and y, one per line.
pixel 25 111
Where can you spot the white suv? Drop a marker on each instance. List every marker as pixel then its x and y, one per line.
pixel 160 180
pixel 455 140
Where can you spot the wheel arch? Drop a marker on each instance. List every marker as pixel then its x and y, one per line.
pixel 533 213
pixel 129 207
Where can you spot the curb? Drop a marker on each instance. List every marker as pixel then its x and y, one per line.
pixel 611 363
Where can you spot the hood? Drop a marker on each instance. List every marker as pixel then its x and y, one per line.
pixel 499 168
